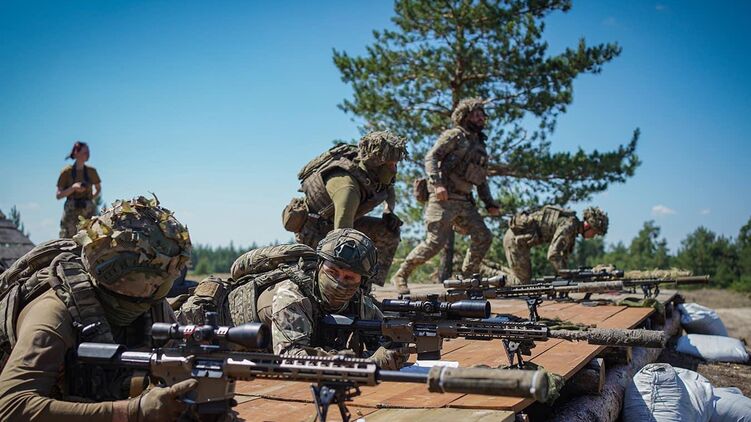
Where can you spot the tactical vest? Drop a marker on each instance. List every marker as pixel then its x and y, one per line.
pixel 342 157
pixel 236 299
pixel 549 220
pixel 466 165
pixel 57 265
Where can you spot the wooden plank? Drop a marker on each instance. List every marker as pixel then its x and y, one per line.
pixel 441 415
pixel 627 318
pixel 293 401
pixel 284 410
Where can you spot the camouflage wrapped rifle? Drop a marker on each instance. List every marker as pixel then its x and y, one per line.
pixel 426 334
pixel 555 288
pixel 204 353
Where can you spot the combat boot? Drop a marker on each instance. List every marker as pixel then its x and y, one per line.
pixel 399 280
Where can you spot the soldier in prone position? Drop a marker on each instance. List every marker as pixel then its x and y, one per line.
pixel 108 286
pixel 344 184
pixel 457 163
pixel 293 298
pixel 550 225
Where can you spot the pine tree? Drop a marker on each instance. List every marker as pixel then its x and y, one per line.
pixel 413 76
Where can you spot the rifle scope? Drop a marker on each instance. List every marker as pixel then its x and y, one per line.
pixel 459 309
pixel 476 283
pixel 251 336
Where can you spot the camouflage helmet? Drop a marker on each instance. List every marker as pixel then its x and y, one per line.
pixel 378 147
pixel 351 249
pixel 465 107
pixel 135 249
pixel 597 219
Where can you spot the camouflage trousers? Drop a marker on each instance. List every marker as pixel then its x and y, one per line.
pixel 386 241
pixel 71 211
pixel 518 258
pixel 440 218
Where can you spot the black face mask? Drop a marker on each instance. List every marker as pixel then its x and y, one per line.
pixel 473 127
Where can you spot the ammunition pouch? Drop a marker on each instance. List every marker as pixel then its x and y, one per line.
pixel 295 215
pixel 475 174
pixel 420 190
pixel 80 203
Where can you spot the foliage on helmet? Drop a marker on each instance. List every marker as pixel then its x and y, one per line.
pixel 351 249
pixel 379 147
pixel 597 219
pixel 134 247
pixel 464 108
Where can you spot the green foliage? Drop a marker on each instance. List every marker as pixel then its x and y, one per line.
pixel 412 77
pixel 15 218
pixel 211 260
pixel 705 253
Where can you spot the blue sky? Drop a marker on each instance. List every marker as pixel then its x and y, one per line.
pixel 215 106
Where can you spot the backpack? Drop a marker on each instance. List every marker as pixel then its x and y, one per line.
pixel 55 264
pixel 253 272
pixel 262 269
pixel 334 153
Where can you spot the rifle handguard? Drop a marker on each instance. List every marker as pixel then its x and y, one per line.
pixel 493 382
pixel 614 337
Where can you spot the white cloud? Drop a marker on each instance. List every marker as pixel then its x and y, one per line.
pixel 662 211
pixel 705 211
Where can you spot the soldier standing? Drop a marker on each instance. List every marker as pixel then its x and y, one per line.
pixel 79 184
pixel 344 184
pixel 108 286
pixel 456 164
pixel 552 225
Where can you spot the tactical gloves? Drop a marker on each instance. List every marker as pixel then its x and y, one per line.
pixel 160 403
pixel 391 359
pixel 392 221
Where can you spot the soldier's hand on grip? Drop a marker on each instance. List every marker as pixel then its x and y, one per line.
pixel 391 359
pixel 161 403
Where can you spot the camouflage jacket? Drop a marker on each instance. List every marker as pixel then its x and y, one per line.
pixel 459 161
pixel 295 317
pixel 551 225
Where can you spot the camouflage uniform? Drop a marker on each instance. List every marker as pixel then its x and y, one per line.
pixel 291 297
pixel 341 192
pixel 78 204
pixel 458 161
pixel 134 250
pixel 550 225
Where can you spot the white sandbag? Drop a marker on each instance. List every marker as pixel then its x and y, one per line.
pixel 713 348
pixel 731 406
pixel 700 392
pixel 697 319
pixel 659 393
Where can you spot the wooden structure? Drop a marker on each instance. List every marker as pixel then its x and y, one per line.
pixel 13 243
pixel 291 401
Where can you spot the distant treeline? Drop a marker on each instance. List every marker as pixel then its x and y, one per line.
pixel 726 260
pixel 210 260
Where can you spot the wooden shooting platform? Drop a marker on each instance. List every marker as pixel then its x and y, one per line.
pixel 266 400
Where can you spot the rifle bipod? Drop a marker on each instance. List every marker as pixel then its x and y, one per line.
pixel 514 351
pixel 333 392
pixel 532 303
